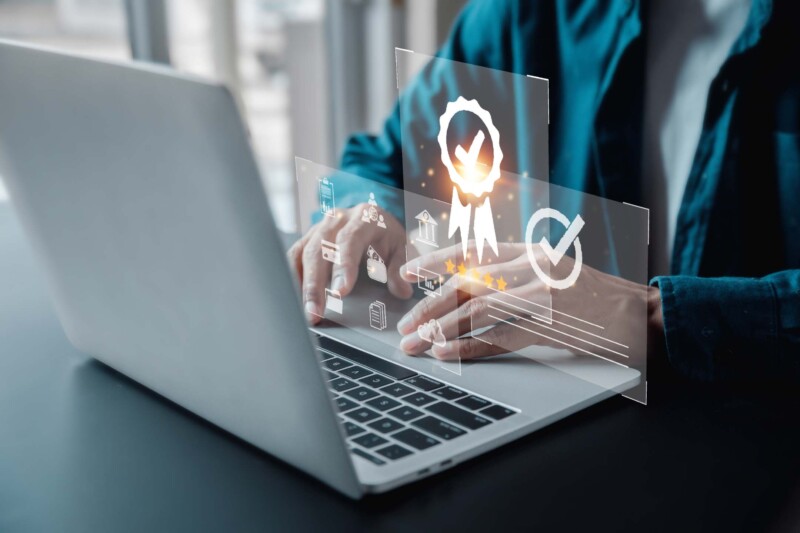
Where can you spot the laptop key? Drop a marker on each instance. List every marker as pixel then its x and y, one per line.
pixel 329 375
pixel 423 382
pixel 362 414
pixel 342 384
pixel 406 413
pixel 361 393
pixel 419 399
pixel 415 439
pixel 356 372
pixel 394 452
pixel 440 428
pixel 324 356
pixel 352 429
pixel 343 404
pixel 385 425
pixel 375 381
pixel 498 412
pixel 449 393
pixel 363 358
pixel 370 440
pixel 382 403
pixel 460 416
pixel 369 457
pixel 473 403
pixel 397 390
pixel 336 364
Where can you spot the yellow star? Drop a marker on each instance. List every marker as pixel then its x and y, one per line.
pixel 475 274
pixel 501 283
pixel 462 269
pixel 488 279
pixel 451 268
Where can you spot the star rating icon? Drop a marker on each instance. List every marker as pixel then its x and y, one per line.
pixel 475 275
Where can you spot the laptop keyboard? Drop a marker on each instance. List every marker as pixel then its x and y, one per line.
pixel 390 412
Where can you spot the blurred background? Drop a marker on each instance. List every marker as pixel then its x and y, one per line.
pixel 306 73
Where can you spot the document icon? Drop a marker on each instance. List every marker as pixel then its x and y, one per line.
pixel 333 301
pixel 377 315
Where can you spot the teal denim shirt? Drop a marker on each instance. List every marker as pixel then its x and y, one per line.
pixel 731 305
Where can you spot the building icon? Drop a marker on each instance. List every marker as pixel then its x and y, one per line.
pixel 428 228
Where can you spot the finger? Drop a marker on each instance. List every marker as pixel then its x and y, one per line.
pixel 295 258
pixel 458 289
pixel 432 307
pixel 316 274
pixel 353 239
pixel 398 286
pixel 500 339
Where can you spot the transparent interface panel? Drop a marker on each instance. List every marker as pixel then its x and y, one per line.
pixel 553 274
pixel 566 289
pixel 360 230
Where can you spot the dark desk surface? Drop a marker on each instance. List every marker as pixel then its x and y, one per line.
pixel 82 448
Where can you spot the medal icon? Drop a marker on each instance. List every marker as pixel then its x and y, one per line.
pixel 468 179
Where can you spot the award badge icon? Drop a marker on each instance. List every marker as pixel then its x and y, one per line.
pixel 467 178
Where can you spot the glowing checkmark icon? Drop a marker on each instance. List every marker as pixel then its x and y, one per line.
pixel 470 158
pixel 556 254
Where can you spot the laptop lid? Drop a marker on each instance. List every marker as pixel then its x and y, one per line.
pixel 138 190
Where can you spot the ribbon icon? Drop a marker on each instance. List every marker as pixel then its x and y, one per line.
pixel 472 185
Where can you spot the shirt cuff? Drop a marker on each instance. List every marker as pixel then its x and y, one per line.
pixel 719 329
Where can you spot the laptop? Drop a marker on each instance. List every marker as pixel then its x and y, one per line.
pixel 138 190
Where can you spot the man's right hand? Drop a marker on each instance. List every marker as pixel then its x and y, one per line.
pixel 353 237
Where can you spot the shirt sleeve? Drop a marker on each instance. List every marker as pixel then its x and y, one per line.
pixel 733 329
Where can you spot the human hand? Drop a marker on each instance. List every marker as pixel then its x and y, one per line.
pixel 618 308
pixel 353 237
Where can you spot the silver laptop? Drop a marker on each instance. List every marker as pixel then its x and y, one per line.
pixel 138 190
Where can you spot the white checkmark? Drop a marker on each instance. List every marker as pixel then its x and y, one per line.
pixel 470 158
pixel 570 235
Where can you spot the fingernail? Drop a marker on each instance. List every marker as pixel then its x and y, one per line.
pixel 312 310
pixel 338 283
pixel 443 353
pixel 409 343
pixel 405 326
